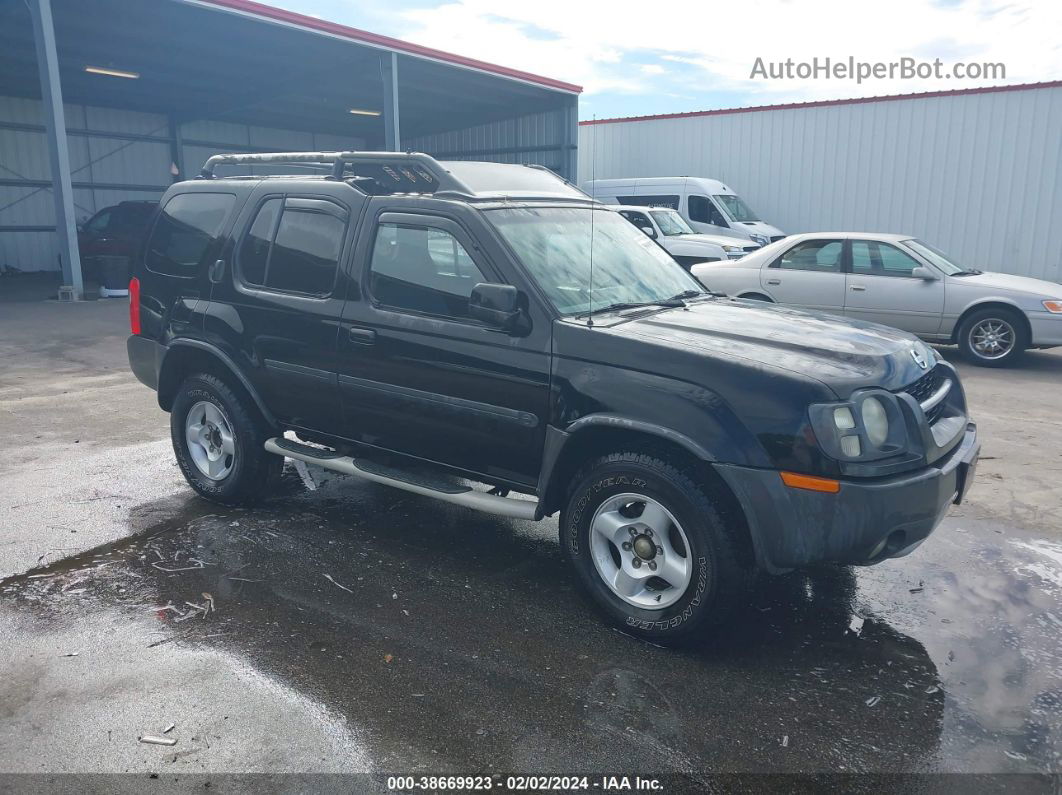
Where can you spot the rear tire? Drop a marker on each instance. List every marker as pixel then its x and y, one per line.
pixel 218 437
pixel 992 338
pixel 615 501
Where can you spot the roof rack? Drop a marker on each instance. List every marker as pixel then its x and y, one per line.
pixel 408 172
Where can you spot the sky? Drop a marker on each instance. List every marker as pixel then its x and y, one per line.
pixel 671 56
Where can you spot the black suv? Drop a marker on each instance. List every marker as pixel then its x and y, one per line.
pixel 489 336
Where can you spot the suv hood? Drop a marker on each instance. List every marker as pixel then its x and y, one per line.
pixel 1006 281
pixel 843 354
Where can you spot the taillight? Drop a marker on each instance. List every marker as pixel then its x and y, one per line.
pixel 134 305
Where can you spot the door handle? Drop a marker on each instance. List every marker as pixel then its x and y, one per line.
pixel 857 288
pixel 362 336
pixel 216 271
pixel 774 281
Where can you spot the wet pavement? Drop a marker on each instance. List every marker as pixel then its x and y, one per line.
pixel 358 628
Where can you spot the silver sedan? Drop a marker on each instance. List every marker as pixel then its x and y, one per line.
pixel 899 281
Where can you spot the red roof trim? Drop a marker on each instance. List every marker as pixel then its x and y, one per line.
pixel 364 36
pixel 829 102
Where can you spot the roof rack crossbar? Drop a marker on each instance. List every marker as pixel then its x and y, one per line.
pixel 341 160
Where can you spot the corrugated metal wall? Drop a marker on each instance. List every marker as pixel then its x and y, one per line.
pixel 115 155
pixel 977 175
pixel 547 138
pixel 118 155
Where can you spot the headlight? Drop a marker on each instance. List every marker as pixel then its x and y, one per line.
pixel 731 248
pixel 759 239
pixel 875 421
pixel 1055 307
pixel 869 427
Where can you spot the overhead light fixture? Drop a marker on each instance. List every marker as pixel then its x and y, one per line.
pixel 99 70
pixel 359 112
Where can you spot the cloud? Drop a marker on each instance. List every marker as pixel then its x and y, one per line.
pixel 698 49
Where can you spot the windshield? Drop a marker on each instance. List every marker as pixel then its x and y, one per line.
pixel 736 208
pixel 671 223
pixel 553 243
pixel 938 258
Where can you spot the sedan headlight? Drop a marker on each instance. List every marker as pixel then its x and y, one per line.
pixel 869 427
pixel 1055 307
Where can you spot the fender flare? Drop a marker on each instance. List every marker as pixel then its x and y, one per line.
pixel 557 441
pixel 229 364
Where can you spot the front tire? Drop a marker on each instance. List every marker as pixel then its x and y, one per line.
pixel 992 338
pixel 650 548
pixel 218 437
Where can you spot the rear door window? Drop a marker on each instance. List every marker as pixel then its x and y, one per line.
pixel 293 246
pixel 812 255
pixel 187 231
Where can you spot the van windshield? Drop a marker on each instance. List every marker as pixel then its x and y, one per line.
pixel 553 243
pixel 735 207
pixel 671 223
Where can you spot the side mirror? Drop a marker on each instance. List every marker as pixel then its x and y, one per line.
pixel 924 273
pixel 501 306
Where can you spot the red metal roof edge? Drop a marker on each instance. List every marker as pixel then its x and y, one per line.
pixel 828 102
pixel 356 34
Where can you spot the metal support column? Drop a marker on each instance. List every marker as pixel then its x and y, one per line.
pixel 176 149
pixel 389 72
pixel 571 140
pixel 58 153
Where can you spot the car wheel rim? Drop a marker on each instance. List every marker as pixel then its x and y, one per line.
pixel 640 552
pixel 210 440
pixel 992 338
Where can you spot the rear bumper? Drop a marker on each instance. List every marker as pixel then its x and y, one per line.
pixel 1046 328
pixel 867 521
pixel 145 359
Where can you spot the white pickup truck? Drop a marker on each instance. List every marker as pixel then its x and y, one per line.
pixel 687 247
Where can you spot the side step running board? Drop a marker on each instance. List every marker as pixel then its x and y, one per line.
pixel 425 486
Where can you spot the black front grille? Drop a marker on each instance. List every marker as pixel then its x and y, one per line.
pixel 924 388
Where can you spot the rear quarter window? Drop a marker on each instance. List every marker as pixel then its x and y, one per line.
pixel 186 232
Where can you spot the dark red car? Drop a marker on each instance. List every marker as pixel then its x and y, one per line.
pixel 115 231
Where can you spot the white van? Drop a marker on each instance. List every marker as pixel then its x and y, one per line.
pixel 707 204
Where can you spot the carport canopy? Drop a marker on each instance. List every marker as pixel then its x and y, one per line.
pixel 243 61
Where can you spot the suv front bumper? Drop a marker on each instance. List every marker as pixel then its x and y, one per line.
pixel 867 521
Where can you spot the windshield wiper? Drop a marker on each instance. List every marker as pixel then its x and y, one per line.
pixel 691 294
pixel 668 303
pixel 968 273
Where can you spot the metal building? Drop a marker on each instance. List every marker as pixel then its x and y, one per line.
pixel 977 173
pixel 150 88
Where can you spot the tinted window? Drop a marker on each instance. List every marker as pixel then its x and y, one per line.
pixel 254 248
pixel 703 211
pixel 98 223
pixel 871 258
pixel 812 255
pixel 422 269
pixel 298 255
pixel 187 225
pixel 305 253
pixel 671 201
